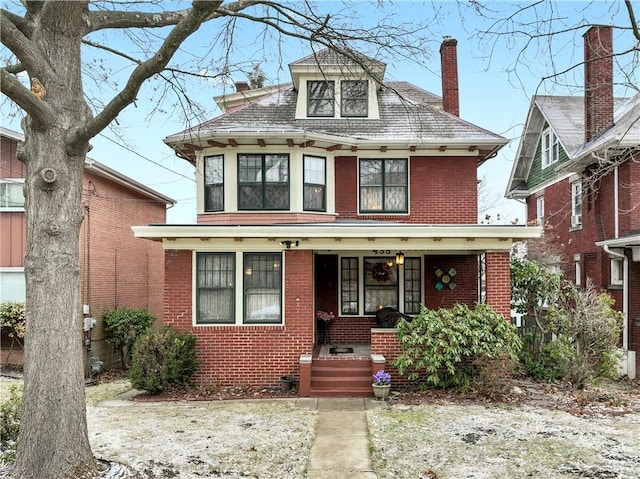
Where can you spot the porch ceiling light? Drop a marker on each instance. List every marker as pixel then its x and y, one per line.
pixel 399 257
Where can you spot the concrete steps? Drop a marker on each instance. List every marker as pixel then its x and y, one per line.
pixel 341 377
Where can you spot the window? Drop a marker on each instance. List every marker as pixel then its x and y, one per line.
pixel 349 288
pixel 380 284
pixel 354 94
pixel 383 186
pixel 263 182
pixel 315 179
pixel 12 195
pixel 550 148
pixel 214 183
pixel 617 272
pixel 215 293
pixel 320 98
pixel 540 210
pixel 412 285
pixel 262 288
pixel 576 204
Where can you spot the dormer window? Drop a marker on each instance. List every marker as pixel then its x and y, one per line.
pixel 354 96
pixel 320 98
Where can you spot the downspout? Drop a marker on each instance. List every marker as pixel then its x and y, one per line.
pixel 625 293
pixel 615 203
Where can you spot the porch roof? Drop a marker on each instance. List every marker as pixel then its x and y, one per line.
pixel 340 236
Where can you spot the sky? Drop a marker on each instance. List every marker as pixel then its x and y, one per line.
pixel 496 80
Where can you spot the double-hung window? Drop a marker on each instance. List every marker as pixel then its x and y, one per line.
pixel 215 291
pixel 315 180
pixel 11 195
pixel 354 98
pixel 383 186
pixel 263 182
pixel 214 183
pixel 380 284
pixel 550 148
pixel 320 98
pixel 540 210
pixel 262 288
pixel 576 204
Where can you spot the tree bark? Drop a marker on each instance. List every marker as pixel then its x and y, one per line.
pixel 53 440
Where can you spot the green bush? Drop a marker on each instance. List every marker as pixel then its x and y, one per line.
pixel 439 347
pixel 12 318
pixel 125 326
pixel 10 410
pixel 549 364
pixel 163 359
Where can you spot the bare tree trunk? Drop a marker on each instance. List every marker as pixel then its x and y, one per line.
pixel 53 440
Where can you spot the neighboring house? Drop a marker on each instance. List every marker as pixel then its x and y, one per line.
pixel 339 192
pixel 118 270
pixel 578 168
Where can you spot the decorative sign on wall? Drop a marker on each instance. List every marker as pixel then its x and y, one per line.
pixel 446 278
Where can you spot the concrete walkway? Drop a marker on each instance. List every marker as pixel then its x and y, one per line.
pixel 340 449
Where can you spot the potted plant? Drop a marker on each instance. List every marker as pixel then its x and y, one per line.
pixel 381 385
pixel 324 319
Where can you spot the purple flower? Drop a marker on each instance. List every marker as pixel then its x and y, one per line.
pixel 381 378
pixel 326 316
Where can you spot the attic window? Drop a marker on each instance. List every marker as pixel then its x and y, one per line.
pixel 354 98
pixel 550 149
pixel 320 98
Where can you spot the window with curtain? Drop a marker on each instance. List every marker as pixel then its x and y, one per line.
pixel 412 285
pixel 263 182
pixel 215 292
pixel 354 98
pixel 315 180
pixel 320 98
pixel 214 183
pixel 262 288
pixel 380 284
pixel 383 186
pixel 349 285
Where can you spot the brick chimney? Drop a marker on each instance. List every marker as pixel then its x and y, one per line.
pixel 598 80
pixel 242 86
pixel 449 71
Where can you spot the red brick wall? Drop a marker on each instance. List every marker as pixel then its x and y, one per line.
pixel 118 269
pixel 386 342
pixel 466 280
pixel 443 190
pixel 351 329
pixel 449 71
pixel 498 280
pixel 247 355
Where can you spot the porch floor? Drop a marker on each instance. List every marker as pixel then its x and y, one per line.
pixel 360 350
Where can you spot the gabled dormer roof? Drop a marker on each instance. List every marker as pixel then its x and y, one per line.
pixel 565 116
pixel 328 61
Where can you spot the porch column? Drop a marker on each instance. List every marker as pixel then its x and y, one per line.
pixel 498 282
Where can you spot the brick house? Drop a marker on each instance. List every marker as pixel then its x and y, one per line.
pixel 578 169
pixel 117 269
pixel 339 192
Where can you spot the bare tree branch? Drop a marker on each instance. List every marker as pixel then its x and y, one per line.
pixel 25 99
pixel 117 19
pixel 19 22
pixel 189 24
pixel 632 18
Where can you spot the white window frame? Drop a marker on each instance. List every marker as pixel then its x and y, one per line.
pixel 550 148
pixel 578 269
pixel 617 272
pixel 576 204
pixel 15 181
pixel 540 210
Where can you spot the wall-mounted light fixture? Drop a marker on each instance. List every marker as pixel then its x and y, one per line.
pixel 289 243
pixel 399 257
